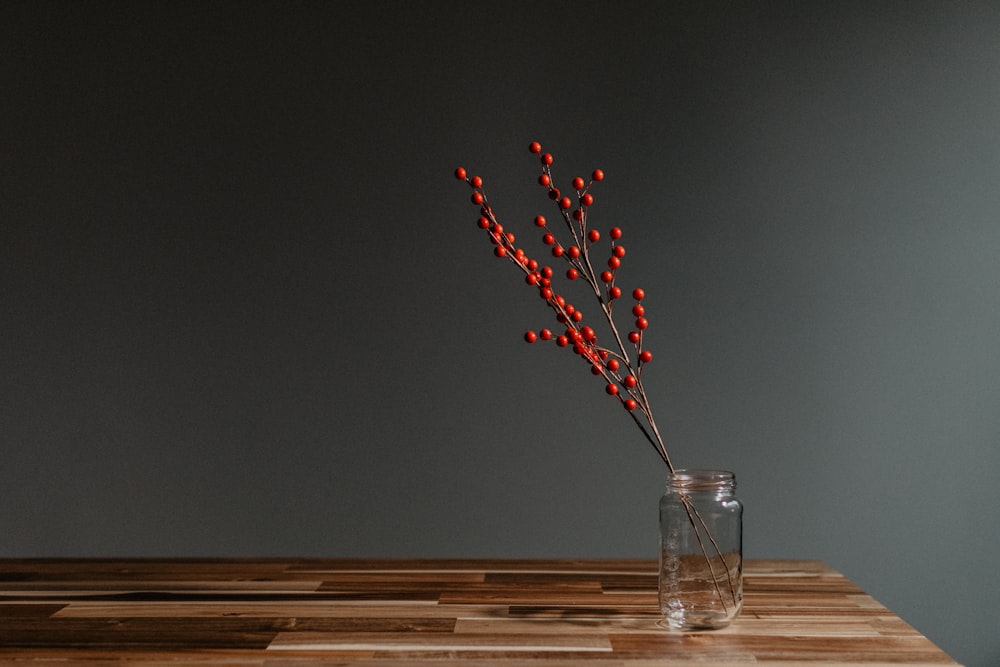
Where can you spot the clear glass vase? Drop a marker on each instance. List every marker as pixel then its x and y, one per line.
pixel 701 550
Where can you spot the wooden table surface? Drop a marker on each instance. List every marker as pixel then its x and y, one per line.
pixel 423 612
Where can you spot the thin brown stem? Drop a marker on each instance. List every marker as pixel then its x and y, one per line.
pixel 692 511
pixel 718 550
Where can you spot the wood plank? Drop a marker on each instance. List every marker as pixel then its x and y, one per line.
pixel 296 609
pixel 413 642
pixel 813 627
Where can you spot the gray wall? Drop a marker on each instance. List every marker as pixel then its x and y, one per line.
pixel 246 310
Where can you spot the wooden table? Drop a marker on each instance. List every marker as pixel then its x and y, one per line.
pixel 422 612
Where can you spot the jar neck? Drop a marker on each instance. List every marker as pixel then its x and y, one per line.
pixel 691 481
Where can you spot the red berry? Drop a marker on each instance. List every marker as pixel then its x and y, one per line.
pixel 535 147
pixel 598 175
pixel 641 323
pixel 544 180
pixel 548 239
pixel 614 263
pixel 615 292
pixel 646 356
pixel 460 174
pixel 588 334
pixel 510 238
pixel 638 294
pixel 587 199
pixel 483 223
pixel 611 389
pixel 532 264
pixel 531 279
pixel 594 236
pixel 578 215
pixel 476 182
pixel 545 293
pixel 578 183
pixel 619 251
pixel 547 158
pixel 530 337
pixel 500 251
pixel 569 308
pixel 634 336
pixel 562 341
pixel 630 404
pixel 573 251
pixel 629 381
pixel 596 370
pixel 557 251
pixel 577 316
pixel 554 194
pixel 616 233
pixel 545 334
pixel 612 365
pixel 565 203
pixel 572 274
pixel 607 277
pixel 477 198
pixel 547 272
pixel 638 310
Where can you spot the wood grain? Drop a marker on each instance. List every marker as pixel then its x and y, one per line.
pixel 390 613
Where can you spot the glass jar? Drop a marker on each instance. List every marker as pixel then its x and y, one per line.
pixel 701 550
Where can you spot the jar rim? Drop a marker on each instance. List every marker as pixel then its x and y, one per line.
pixel 700 473
pixel 695 478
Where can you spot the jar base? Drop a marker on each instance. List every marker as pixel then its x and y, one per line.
pixel 690 622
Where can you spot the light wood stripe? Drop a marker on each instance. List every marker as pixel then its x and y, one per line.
pixel 433 642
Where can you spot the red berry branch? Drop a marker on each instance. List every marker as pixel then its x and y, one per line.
pixel 619 364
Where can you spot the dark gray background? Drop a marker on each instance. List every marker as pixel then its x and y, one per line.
pixel 246 309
